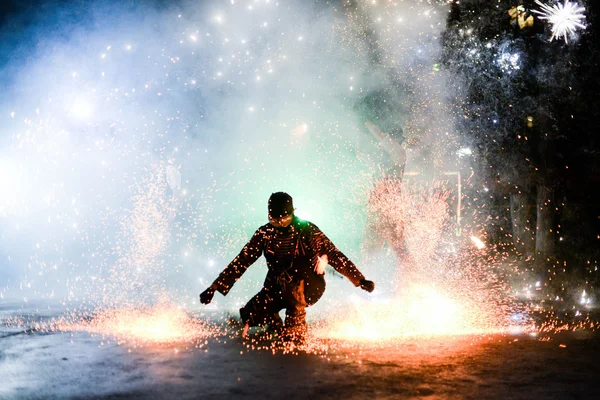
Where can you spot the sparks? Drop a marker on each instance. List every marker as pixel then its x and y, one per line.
pixel 509 62
pixel 163 323
pixel 565 18
pixel 422 312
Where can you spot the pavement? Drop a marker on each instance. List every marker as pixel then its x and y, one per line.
pixel 79 365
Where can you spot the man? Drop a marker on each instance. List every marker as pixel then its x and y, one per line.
pixel 293 249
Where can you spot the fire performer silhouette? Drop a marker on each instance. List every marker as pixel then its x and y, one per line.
pixel 296 252
pixel 379 230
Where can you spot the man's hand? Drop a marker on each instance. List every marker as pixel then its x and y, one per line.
pixel 369 286
pixel 207 296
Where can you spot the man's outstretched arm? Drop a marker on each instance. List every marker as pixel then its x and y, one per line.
pixel 236 268
pixel 342 264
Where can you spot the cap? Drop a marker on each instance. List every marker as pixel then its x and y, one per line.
pixel 280 205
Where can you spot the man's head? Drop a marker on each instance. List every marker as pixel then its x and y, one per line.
pixel 281 209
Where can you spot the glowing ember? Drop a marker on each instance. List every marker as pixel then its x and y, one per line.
pixel 478 243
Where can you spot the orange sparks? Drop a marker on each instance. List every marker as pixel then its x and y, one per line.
pixel 158 324
pixel 420 312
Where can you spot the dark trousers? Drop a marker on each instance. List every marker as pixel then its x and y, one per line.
pixel 263 308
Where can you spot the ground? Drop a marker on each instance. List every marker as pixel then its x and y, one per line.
pixel 41 365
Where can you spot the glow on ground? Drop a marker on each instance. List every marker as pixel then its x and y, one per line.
pixel 422 312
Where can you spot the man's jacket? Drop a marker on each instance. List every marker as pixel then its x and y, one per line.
pixel 279 246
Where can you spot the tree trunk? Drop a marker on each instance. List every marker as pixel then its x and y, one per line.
pixel 544 235
pixel 522 216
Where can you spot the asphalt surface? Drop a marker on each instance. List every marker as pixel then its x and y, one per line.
pixel 77 365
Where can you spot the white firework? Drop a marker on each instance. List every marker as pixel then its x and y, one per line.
pixel 565 18
pixel 509 62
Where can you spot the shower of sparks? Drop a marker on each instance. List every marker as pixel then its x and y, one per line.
pixel 436 294
pixel 420 311
pixel 145 232
pixel 410 218
pixel 565 18
pixel 161 324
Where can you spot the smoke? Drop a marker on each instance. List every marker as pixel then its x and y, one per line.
pixel 244 98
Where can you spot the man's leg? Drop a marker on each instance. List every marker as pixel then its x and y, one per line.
pixel 262 309
pixel 295 311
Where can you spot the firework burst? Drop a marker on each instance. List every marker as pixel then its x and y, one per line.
pixel 565 18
